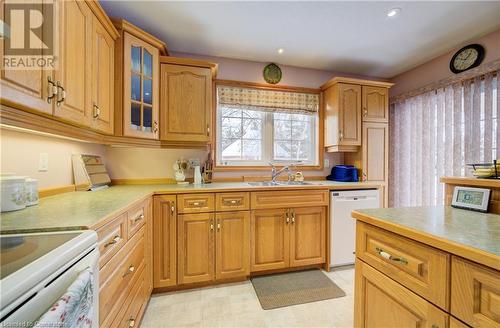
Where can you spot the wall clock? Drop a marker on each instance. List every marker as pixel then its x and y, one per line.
pixel 272 73
pixel 466 58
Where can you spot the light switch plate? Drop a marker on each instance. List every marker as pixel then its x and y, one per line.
pixel 43 162
pixel 326 162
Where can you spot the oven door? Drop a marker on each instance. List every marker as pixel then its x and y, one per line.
pixel 43 296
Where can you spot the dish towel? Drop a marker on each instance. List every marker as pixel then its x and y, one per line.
pixel 75 307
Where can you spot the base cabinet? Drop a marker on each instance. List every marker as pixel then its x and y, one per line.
pixel 195 247
pixel 282 238
pixel 164 241
pixel 232 245
pixel 382 302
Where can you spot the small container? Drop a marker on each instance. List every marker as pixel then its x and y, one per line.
pixel 197 175
pixel 13 196
pixel 31 188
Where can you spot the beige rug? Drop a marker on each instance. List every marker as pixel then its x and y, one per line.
pixel 285 289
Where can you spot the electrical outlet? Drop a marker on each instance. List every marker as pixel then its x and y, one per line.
pixel 326 162
pixel 43 162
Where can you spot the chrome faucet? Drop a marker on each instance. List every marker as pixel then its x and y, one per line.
pixel 276 173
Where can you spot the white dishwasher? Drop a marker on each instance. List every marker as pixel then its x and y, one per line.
pixel 343 226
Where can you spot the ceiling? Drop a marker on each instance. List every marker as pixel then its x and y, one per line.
pixel 352 37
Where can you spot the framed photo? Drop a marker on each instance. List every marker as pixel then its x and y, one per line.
pixel 475 199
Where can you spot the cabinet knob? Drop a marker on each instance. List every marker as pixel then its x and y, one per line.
pixel 287 214
pixel 131 323
pixel 293 216
pixel 341 135
pixel 365 112
pixel 155 126
pixel 208 131
pixel 172 208
pixel 97 111
pixel 51 90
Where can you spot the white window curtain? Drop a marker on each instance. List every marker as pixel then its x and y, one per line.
pixel 437 133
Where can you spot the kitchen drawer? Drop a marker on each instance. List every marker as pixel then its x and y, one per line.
pixel 112 237
pixel 232 201
pixel 117 283
pixel 131 308
pixel 475 293
pixel 195 203
pixel 288 198
pixel 421 268
pixel 136 218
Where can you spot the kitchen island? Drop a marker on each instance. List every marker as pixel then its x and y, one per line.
pixel 428 266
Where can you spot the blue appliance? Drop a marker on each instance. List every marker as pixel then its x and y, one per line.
pixel 344 173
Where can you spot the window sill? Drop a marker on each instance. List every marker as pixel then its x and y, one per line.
pixel 229 168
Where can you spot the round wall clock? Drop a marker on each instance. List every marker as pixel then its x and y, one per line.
pixel 272 73
pixel 466 58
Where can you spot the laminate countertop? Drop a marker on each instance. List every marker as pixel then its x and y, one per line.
pixel 472 235
pixel 91 209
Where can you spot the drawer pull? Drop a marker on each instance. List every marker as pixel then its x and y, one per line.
pixel 139 218
pixel 131 323
pixel 232 202
pixel 196 204
pixel 388 256
pixel 115 240
pixel 130 270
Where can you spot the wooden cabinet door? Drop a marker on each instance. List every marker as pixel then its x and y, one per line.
pixel 375 104
pixel 74 65
pixel 102 78
pixel 349 114
pixel 269 240
pixel 195 247
pixel 140 88
pixel 375 155
pixel 475 293
pixel 186 101
pixel 25 89
pixel 232 244
pixel 164 241
pixel 307 236
pixel 381 302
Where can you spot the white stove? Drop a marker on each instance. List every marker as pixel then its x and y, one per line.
pixel 36 269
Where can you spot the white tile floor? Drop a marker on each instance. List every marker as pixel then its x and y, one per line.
pixel 236 305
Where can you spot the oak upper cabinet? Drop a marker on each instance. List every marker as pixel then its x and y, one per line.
pixel 375 103
pixel 25 89
pixel 269 240
pixel 342 103
pixel 196 235
pixel 307 236
pixel 164 241
pixel 137 98
pixel 382 302
pixel 232 244
pixel 103 47
pixel 186 100
pixel 74 71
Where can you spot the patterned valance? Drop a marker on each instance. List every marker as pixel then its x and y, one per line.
pixel 268 100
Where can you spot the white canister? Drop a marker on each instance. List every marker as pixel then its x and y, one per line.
pixel 31 188
pixel 197 175
pixel 13 193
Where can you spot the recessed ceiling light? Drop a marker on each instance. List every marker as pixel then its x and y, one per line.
pixel 281 50
pixel 393 12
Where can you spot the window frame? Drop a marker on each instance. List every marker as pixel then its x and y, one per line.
pixel 264 166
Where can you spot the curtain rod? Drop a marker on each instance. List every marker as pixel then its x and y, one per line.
pixel 491 67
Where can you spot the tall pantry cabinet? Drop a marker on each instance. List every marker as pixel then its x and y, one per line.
pixel 357 123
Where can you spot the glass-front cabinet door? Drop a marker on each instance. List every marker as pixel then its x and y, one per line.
pixel 141 88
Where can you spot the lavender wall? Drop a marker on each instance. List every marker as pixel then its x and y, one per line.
pixel 438 68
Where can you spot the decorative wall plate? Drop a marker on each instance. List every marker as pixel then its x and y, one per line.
pixel 272 73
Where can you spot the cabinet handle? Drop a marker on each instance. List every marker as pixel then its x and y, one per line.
pixel 388 256
pixel 233 202
pixel 218 226
pixel 115 240
pixel 293 216
pixel 139 218
pixel 131 323
pixel 51 90
pixel 130 270
pixel 172 209
pixel 212 225
pixel 155 126
pixel 97 111
pixel 365 112
pixel 62 93
pixel 341 135
pixel 208 131
pixel 287 213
